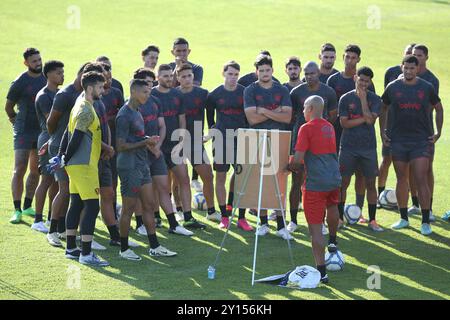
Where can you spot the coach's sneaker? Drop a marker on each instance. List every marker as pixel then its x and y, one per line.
pixel 161 252
pixel 216 216
pixel 196 185
pixel 373 225
pixel 284 233
pixel 141 231
pixel 224 223
pixel 181 230
pixel 324 229
pixel 193 224
pixel 292 226
pixel 425 229
pixel 263 230
pixel 402 223
pixel 92 260
pixel 73 254
pixel 432 217
pixel 16 218
pixel 243 224
pixel 130 255
pixel 39 226
pixel 446 216
pixel 413 210
pixel 29 212
pixel 53 239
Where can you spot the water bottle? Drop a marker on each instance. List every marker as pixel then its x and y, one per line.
pixel 211 272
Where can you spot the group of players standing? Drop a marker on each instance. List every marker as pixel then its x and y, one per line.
pixel 83 138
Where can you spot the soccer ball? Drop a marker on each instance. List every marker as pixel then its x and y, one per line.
pixel 334 261
pixel 199 202
pixel 388 199
pixel 352 213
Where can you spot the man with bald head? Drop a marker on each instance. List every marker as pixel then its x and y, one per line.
pixel 316 148
pixel 313 86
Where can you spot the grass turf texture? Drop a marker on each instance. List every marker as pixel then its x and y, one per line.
pixel 412 266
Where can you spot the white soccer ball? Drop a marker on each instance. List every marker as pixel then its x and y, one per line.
pixel 199 202
pixel 388 199
pixel 334 261
pixel 352 213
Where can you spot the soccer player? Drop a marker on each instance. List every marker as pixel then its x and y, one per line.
pixel 293 70
pixel 175 118
pixel 150 56
pixel 409 102
pixel 316 148
pixel 22 93
pixel 251 77
pixel 358 111
pixel 227 102
pixel 80 152
pixel 134 174
pixel 115 83
pixel 57 122
pixel 54 72
pixel 392 74
pixel 155 125
pixel 268 106
pixel 313 86
pixel 327 57
pixel 343 82
pixel 181 51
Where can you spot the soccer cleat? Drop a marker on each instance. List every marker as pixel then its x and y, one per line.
pixel 446 216
pixel 130 255
pixel 92 260
pixel 292 226
pixel 196 185
pixel 141 230
pixel 263 230
pixel 324 279
pixel 29 212
pixel 324 229
pixel 425 229
pixel 284 233
pixel 363 220
pixel 413 210
pixel 243 224
pixel 16 218
pixel 73 254
pixel 373 225
pixel 39 226
pixel 62 236
pixel 181 230
pixel 402 223
pixel 224 223
pixel 161 252
pixel 158 223
pixel 332 247
pixel 97 246
pixel 53 239
pixel 216 216
pixel 193 224
pixel 432 217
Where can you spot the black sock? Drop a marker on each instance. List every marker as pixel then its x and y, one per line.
pixel 415 201
pixel 431 204
pixel 172 221
pixel 230 198
pixel 37 218
pixel 27 203
pixel 61 225
pixel 114 232
pixel 223 211
pixel 179 209
pixel 17 205
pixel 153 240
pixel 404 213
pixel 53 226
pixel 194 174
pixel 425 216
pixel 341 210
pixel 123 244
pixel 264 220
pixel 280 223
pixel 332 239
pixel 157 215
pixel 241 213
pixel 323 270
pixel 380 190
pixel 360 200
pixel 71 242
pixel 187 215
pixel 211 210
pixel 294 215
pixel 372 211
pixel 49 216
pixel 86 248
pixel 139 221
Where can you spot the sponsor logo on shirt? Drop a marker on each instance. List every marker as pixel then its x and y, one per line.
pixel 410 106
